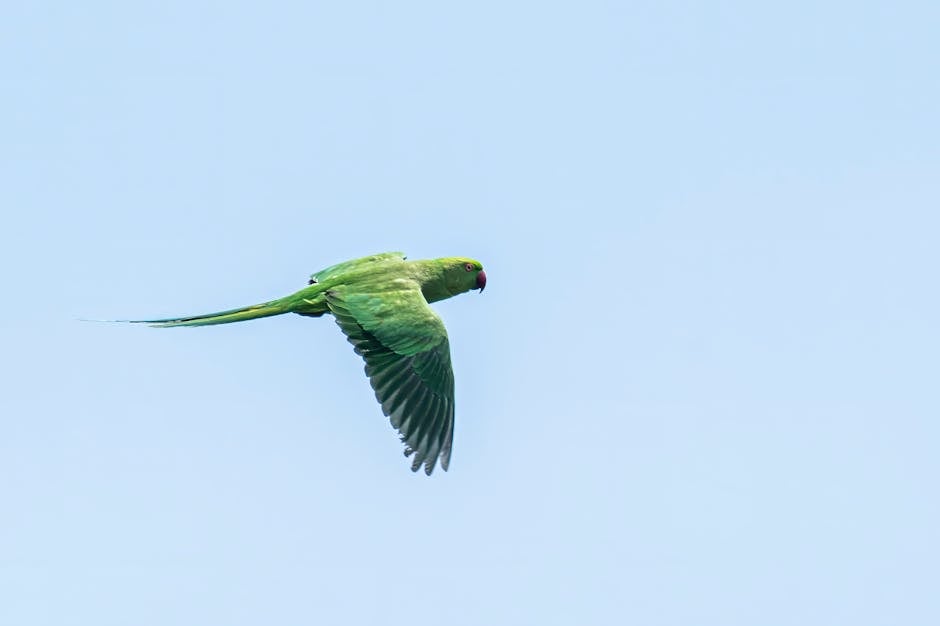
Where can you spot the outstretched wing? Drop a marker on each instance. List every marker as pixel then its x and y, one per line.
pixel 407 354
pixel 339 268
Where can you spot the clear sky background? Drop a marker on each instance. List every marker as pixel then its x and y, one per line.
pixel 700 388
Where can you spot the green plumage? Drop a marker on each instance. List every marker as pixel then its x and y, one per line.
pixel 381 304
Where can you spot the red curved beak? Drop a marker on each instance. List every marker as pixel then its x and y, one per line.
pixel 481 280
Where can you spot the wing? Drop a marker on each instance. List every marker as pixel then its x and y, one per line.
pixel 327 273
pixel 407 354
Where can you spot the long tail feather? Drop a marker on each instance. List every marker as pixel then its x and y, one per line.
pixel 275 307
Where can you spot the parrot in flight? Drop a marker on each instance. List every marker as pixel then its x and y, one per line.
pixel 381 304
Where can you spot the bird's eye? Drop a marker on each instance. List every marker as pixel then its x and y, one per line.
pixel 469 267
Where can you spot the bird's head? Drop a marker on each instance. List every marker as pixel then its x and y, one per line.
pixel 462 275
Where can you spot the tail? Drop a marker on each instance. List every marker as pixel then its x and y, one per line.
pixel 267 309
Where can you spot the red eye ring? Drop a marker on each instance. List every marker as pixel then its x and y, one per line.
pixel 469 267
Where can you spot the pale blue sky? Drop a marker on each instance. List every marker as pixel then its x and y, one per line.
pixel 700 388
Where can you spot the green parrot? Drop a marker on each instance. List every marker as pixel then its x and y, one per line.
pixel 381 304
